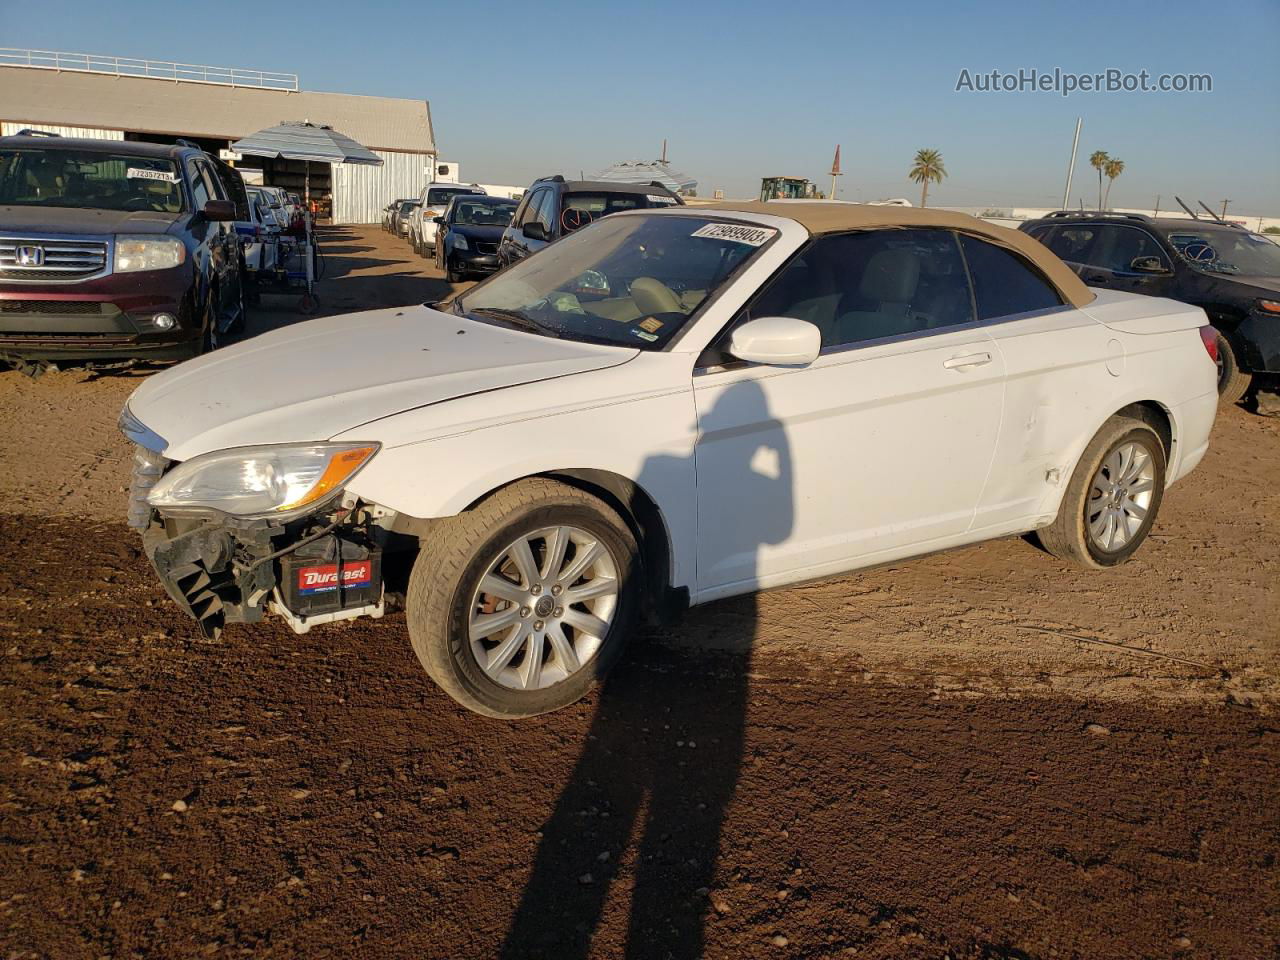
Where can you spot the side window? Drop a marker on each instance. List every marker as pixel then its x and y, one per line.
pixel 546 214
pixel 1073 244
pixel 199 187
pixel 529 207
pixel 865 286
pixel 1004 283
pixel 1041 233
pixel 1117 247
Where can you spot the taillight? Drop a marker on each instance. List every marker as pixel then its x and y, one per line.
pixel 1209 337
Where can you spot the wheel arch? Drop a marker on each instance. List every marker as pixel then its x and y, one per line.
pixel 1152 412
pixel 662 600
pixel 645 518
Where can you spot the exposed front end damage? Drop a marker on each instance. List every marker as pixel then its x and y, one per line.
pixel 315 569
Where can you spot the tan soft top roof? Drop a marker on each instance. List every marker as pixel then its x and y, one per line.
pixel 818 218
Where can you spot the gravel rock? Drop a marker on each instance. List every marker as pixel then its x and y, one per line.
pixel 1097 730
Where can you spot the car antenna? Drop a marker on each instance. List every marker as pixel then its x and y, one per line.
pixel 1210 212
pixel 1190 212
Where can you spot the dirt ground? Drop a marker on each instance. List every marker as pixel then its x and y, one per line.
pixel 982 753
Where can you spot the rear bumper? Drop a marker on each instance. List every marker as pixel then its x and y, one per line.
pixel 1193 422
pixel 1258 338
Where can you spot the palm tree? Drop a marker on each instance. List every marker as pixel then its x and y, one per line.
pixel 1113 168
pixel 927 166
pixel 1098 159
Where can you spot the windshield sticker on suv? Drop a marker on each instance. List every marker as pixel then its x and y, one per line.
pixel 751 236
pixel 141 173
pixel 655 198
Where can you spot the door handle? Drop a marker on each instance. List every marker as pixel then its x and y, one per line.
pixel 965 362
pixel 1097 278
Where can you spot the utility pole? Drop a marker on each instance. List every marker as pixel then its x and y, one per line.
pixel 1157 210
pixel 1223 215
pixel 1075 144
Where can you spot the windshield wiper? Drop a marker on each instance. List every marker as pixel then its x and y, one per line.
pixel 516 319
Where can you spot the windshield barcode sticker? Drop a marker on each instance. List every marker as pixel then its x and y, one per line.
pixel 752 236
pixel 655 198
pixel 140 173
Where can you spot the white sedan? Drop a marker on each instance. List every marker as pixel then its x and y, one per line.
pixel 665 408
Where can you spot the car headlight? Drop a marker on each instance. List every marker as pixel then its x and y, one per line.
pixel 459 241
pixel 252 482
pixel 148 253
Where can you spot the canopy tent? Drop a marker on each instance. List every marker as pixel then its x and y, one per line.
pixel 647 171
pixel 304 140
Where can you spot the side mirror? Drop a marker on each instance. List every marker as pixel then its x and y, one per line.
pixel 439 220
pixel 1147 265
pixel 219 210
pixel 777 342
pixel 535 231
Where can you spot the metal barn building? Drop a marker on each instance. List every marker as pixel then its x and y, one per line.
pixel 122 99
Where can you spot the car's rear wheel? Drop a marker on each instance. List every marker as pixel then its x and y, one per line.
pixel 1233 383
pixel 1112 498
pixel 521 605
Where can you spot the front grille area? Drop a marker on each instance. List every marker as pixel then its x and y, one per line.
pixel 483 247
pixel 60 308
pixel 50 260
pixel 148 468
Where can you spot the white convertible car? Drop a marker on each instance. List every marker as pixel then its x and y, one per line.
pixel 665 408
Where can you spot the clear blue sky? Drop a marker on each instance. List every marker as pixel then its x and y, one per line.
pixel 745 89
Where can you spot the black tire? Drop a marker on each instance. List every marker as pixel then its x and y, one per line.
pixel 454 276
pixel 1068 536
pixel 1233 383
pixel 456 555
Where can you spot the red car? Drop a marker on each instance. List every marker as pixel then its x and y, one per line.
pixel 115 251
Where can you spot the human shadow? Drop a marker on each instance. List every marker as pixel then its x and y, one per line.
pixel 662 757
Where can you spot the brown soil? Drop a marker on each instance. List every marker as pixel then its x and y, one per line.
pixel 977 754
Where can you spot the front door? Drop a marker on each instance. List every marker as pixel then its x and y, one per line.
pixel 880 447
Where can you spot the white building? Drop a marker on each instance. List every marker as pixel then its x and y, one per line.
pixel 113 98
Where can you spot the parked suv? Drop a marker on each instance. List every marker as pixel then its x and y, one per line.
pixel 554 207
pixel 116 251
pixel 1231 273
pixel 422 221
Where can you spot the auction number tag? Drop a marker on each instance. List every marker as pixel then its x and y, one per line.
pixel 655 198
pixel 751 236
pixel 141 173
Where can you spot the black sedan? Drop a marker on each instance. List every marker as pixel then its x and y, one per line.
pixel 470 229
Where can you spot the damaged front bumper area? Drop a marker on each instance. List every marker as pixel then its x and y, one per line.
pixel 319 568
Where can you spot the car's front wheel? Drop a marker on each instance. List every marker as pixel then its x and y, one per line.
pixel 1112 498
pixel 521 605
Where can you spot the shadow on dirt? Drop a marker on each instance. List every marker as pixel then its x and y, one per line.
pixel 662 771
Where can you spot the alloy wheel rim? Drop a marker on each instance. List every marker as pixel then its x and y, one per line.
pixel 543 608
pixel 1120 496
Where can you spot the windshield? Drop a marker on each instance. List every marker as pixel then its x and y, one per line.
pixel 439 196
pixel 627 281
pixel 1229 251
pixel 581 208
pixel 84 178
pixel 480 214
pixel 408 206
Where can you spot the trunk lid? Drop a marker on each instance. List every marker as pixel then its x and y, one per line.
pixel 1136 313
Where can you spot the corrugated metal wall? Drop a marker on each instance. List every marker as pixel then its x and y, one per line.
pixel 8 129
pixel 360 192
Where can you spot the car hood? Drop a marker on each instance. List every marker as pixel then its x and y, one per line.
pixel 84 220
pixel 314 380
